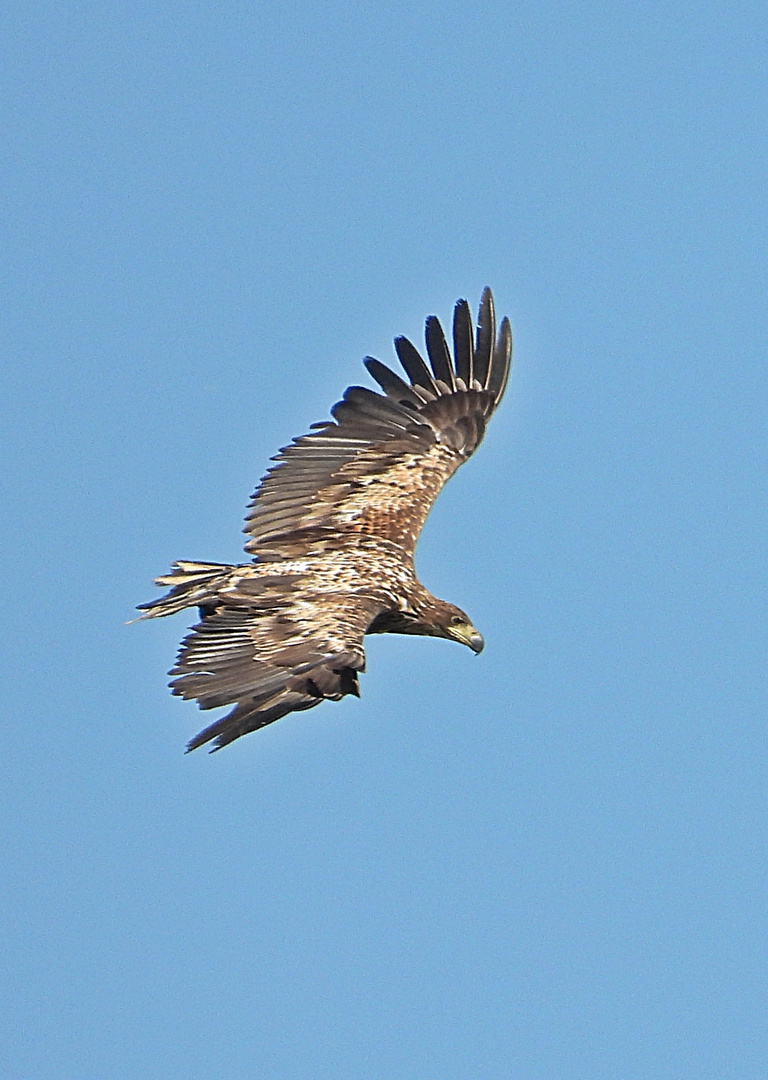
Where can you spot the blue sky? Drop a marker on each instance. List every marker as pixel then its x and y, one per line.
pixel 544 863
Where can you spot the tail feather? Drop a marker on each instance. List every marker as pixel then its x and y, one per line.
pixel 192 584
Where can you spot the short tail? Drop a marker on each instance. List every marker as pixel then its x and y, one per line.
pixel 193 584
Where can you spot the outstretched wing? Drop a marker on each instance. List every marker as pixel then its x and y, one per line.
pixel 270 648
pixel 378 468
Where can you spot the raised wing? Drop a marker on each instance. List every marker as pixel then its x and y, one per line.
pixel 378 467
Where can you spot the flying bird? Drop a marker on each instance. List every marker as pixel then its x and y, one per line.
pixel 332 529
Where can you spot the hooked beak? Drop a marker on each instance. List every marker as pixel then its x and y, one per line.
pixel 467 635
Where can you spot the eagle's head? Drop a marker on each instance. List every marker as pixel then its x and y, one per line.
pixel 429 617
pixel 451 622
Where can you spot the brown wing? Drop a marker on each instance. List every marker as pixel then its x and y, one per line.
pixel 270 650
pixel 379 466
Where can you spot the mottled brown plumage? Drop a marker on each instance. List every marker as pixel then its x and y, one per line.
pixel 332 530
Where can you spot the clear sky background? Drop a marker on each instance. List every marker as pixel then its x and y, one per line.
pixel 544 863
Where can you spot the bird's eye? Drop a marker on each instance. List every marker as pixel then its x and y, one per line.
pixel 457 620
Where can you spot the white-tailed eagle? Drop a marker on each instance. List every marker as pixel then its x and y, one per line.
pixel 332 530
